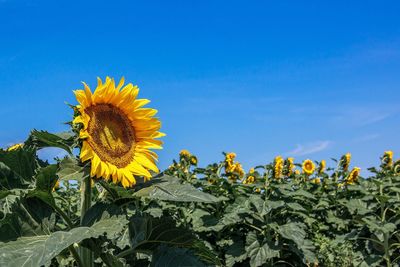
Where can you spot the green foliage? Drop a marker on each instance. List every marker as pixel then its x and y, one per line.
pixel 191 216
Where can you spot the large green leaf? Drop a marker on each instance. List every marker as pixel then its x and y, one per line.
pixel 46 178
pixel 21 161
pixel 235 253
pixel 172 191
pixel 70 169
pixel 42 139
pixel 39 250
pixel 147 232
pixel 9 179
pixel 295 232
pixel 258 252
pixel 27 213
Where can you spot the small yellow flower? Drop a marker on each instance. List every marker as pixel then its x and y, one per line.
pixel 193 160
pixel 388 158
pixel 184 153
pixel 297 172
pixel 211 181
pixel 56 186
pixel 249 180
pixel 251 171
pixel 346 161
pixel 15 147
pixel 239 169
pixel 257 190
pixel 353 176
pixel 308 167
pixel 340 185
pixel 322 166
pixel 289 166
pixel 230 156
pixel 316 181
pixel 278 167
pixel 396 167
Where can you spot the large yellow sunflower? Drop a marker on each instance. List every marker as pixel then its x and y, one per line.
pixel 117 132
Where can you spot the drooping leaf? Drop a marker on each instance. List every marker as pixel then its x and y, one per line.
pixel 258 252
pixel 171 191
pixel 147 232
pixel 235 253
pixel 39 250
pixel 46 178
pixel 42 139
pixel 21 161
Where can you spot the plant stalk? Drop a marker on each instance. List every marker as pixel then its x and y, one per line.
pixel 86 190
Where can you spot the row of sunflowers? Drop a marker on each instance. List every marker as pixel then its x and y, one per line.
pixel 107 204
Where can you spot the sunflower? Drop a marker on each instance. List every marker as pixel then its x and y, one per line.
pixel 353 176
pixel 289 166
pixel 345 161
pixel 249 180
pixel 15 147
pixel 387 159
pixel 308 167
pixel 316 181
pixel 278 167
pixel 193 160
pixel 184 153
pixel 117 133
pixel 322 166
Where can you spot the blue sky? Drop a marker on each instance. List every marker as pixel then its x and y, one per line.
pixel 308 79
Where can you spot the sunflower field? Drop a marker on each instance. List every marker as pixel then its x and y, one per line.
pixel 108 204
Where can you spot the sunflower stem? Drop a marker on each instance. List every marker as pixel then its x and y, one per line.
pixel 86 189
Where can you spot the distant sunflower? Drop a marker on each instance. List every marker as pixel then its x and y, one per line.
pixel 346 161
pixel 322 166
pixel 117 132
pixel 308 167
pixel 15 147
pixel 353 176
pixel 388 158
pixel 278 167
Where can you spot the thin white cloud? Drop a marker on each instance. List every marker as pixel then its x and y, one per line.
pixel 366 138
pixel 309 148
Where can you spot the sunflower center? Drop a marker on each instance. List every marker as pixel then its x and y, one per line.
pixel 308 166
pixel 112 134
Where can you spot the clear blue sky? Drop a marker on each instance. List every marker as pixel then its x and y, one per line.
pixel 311 79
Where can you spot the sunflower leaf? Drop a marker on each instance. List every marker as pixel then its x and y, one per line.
pixel 71 170
pixel 42 139
pixel 39 250
pixel 172 191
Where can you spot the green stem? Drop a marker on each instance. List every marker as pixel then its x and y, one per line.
pixel 86 189
pixel 75 255
pixel 65 217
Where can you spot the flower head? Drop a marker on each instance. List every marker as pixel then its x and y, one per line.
pixel 353 176
pixel 308 167
pixel 249 180
pixel 185 153
pixel 316 181
pixel 193 160
pixel 15 147
pixel 117 133
pixel 387 159
pixel 345 161
pixel 322 166
pixel 278 167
